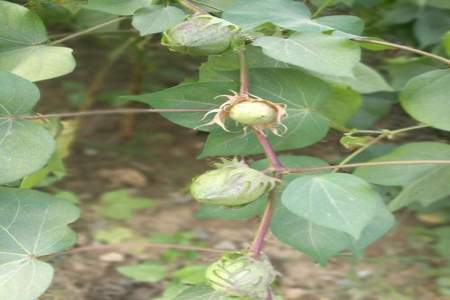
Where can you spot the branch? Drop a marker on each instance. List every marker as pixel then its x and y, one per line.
pixel 117 111
pixel 361 150
pixel 127 246
pixel 368 164
pixel 86 31
pixel 191 6
pixel 402 47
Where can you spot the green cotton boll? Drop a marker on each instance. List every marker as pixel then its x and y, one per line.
pixel 253 113
pixel 237 274
pixel 200 35
pixel 232 184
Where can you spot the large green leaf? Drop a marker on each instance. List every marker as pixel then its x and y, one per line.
pixel 365 80
pixel 421 183
pixel 337 201
pixel 288 14
pixel 25 147
pixel 32 224
pixel 22 34
pixel 157 18
pixel 200 95
pixel 302 94
pixel 427 98
pixel 431 24
pixel 343 104
pixel 117 7
pixel 316 52
pixel 321 242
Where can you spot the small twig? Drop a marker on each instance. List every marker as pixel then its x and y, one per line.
pixel 368 164
pixel 243 74
pixel 86 31
pixel 402 47
pixel 360 150
pixel 191 6
pixel 103 112
pixel 127 247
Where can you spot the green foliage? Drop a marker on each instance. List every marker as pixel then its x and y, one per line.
pixel 22 34
pixel 157 18
pixel 144 272
pixel 315 52
pixel 426 98
pixel 121 205
pixel 424 184
pixel 308 63
pixel 338 201
pixel 22 142
pixel 32 224
pixel 117 7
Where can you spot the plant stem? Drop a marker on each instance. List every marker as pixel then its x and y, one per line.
pixel 243 74
pixel 402 130
pixel 86 31
pixel 368 164
pixel 321 8
pixel 127 247
pixel 361 150
pixel 191 6
pixel 402 47
pixel 98 112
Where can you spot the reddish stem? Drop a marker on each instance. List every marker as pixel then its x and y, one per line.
pixel 243 74
pixel 264 225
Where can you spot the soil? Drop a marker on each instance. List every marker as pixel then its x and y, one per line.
pixel 158 162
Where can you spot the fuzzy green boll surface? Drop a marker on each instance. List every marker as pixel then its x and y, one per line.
pixel 200 35
pixel 237 274
pixel 232 184
pixel 253 113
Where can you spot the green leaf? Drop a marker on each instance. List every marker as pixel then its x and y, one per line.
pixel 365 80
pixel 302 94
pixel 25 146
pixel 32 224
pixel 374 108
pixel 250 14
pixel 214 5
pixel 120 205
pixel 157 18
pixel 431 24
pixel 22 33
pixel 421 183
pixel 403 69
pixel 341 106
pixel 314 52
pixel 201 292
pixel 145 272
pixel 201 95
pixel 117 7
pixel 338 201
pixel 349 24
pixel 210 211
pixel 191 274
pixel 426 98
pixel 317 241
pixel 446 42
pixel 321 242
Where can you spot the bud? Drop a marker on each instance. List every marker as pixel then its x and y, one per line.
pixel 253 113
pixel 239 275
pixel 200 35
pixel 233 183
